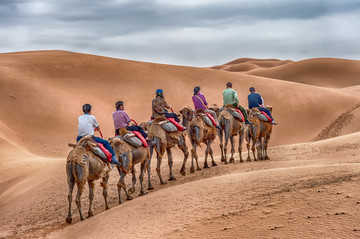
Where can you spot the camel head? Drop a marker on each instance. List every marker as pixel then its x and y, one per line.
pixel 121 150
pixel 187 113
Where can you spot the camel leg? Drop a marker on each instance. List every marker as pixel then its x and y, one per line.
pixel 78 201
pixel 213 163
pixel 258 148
pixel 133 174
pixel 141 178
pixel 71 183
pixel 91 197
pixel 80 173
pixel 253 148
pixel 150 186
pixel 182 145
pixel 105 191
pixel 232 160
pixel 226 139
pixel 170 163
pixel 206 154
pixel 266 142
pixel 221 145
pixel 241 140
pixel 248 141
pixel 158 164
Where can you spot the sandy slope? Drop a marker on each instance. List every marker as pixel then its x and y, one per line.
pixel 306 190
pixel 296 194
pixel 42 94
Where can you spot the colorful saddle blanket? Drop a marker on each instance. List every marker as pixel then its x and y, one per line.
pixel 135 139
pixel 263 117
pixel 171 126
pixel 237 114
pixel 102 152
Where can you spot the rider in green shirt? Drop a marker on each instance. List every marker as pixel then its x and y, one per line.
pixel 230 97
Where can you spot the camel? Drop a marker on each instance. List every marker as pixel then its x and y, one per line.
pixel 199 132
pixel 164 141
pixel 82 166
pixel 231 127
pixel 128 157
pixel 259 133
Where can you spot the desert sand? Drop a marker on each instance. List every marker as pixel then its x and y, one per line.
pixel 308 188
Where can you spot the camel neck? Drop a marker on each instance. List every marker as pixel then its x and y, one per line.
pixel 185 122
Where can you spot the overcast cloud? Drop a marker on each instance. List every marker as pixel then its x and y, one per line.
pixel 184 32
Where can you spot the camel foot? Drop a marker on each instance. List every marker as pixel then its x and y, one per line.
pixel 199 169
pixel 222 159
pixel 248 159
pixel 172 178
pixel 69 220
pixel 183 172
pixel 162 182
pixel 90 214
pixel 143 193
pixel 206 166
pixel 192 170
pixel 225 162
pixel 129 198
pixel 151 188
pixel 266 158
pixel 131 190
pixel 232 160
pixel 107 207
pixel 241 161
pixel 213 164
pixel 82 218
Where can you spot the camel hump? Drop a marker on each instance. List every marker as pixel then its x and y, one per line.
pixel 159 119
pixel 199 111
pixel 229 106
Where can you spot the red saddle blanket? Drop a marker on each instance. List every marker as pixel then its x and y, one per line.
pixel 106 152
pixel 242 116
pixel 266 115
pixel 211 118
pixel 178 126
pixel 139 135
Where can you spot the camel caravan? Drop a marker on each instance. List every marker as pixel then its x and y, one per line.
pixel 93 158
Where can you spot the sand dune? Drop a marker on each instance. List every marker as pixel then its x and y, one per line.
pixel 307 189
pixel 247 64
pixel 326 72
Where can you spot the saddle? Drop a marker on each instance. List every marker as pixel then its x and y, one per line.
pixel 236 113
pixel 208 119
pixel 170 125
pixel 133 138
pixel 262 116
pixel 102 152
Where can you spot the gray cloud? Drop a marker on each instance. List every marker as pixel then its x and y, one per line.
pixel 199 33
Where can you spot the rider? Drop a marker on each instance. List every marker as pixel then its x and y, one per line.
pixel 200 103
pixel 255 100
pixel 122 120
pixel 87 126
pixel 159 107
pixel 230 97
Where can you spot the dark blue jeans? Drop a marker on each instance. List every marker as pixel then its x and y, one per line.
pixel 172 115
pixel 101 141
pixel 137 128
pixel 133 128
pixel 266 111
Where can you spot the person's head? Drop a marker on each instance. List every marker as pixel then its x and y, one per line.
pixel 159 92
pixel 196 89
pixel 252 89
pixel 86 108
pixel 229 85
pixel 119 105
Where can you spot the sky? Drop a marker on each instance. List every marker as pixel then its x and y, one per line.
pixel 184 32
